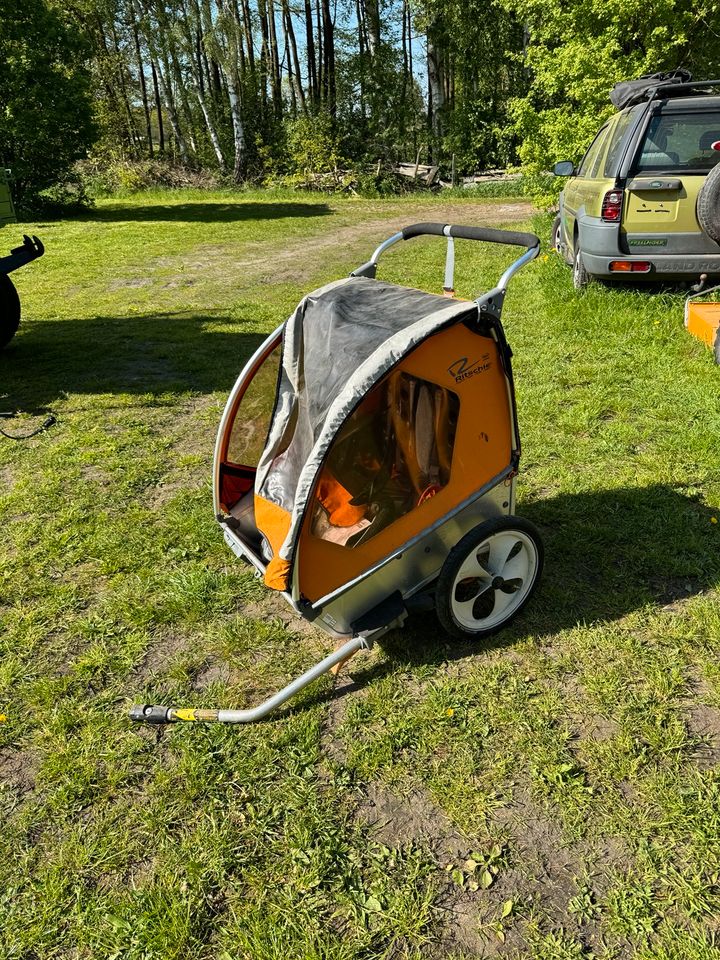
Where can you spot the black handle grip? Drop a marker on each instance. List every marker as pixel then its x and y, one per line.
pixel 486 234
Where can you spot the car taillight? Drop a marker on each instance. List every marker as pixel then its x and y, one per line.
pixel 612 206
pixel 629 266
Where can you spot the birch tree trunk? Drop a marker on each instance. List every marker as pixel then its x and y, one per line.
pixel 296 78
pixel 238 127
pixel 158 108
pixel 372 19
pixel 141 73
pixel 197 68
pixel 274 61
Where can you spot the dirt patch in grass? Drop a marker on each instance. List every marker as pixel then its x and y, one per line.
pixel 671 591
pixel 600 728
pixel 7 479
pixel 161 654
pixel 132 283
pixel 18 771
pixel 539 872
pixel 274 607
pixel 298 260
pixel 213 672
pixel 703 723
pixel 148 370
pixel 396 821
pixel 550 876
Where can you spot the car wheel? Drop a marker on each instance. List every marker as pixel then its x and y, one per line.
pixel 488 577
pixel 708 205
pixel 581 278
pixel 556 235
pixel 9 310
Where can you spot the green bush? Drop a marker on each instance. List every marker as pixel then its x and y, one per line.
pixel 312 145
pixel 104 177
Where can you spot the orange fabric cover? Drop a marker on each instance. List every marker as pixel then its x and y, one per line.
pixel 336 500
pixel 274 522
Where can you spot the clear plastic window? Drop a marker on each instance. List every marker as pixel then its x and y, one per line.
pixel 392 455
pixel 252 420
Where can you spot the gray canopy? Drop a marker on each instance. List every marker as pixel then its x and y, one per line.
pixel 338 343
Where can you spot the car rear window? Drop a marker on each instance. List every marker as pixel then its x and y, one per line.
pixel 680 142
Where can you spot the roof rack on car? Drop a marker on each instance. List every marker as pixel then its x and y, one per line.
pixel 629 93
pixel 680 89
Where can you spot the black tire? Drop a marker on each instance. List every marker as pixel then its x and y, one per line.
pixel 473 545
pixel 581 278
pixel 556 235
pixel 708 205
pixel 9 310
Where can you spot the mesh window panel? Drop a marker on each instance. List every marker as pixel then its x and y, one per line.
pixel 392 455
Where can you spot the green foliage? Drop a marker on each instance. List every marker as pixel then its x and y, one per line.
pixel 483 43
pixel 105 177
pixel 380 111
pixel 312 144
pixel 45 111
pixel 580 48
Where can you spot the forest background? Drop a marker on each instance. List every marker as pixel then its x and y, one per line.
pixel 104 95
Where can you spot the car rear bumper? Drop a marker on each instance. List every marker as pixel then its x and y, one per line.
pixel 665 266
pixel 600 245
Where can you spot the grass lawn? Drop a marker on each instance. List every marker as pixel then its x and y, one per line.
pixel 554 794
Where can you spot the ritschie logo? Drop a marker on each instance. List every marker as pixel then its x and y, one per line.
pixel 463 368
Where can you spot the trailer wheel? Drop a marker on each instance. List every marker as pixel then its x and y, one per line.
pixel 488 577
pixel 708 204
pixel 9 310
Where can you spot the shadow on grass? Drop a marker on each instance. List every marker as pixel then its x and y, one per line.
pixel 215 212
pixel 159 353
pixel 607 553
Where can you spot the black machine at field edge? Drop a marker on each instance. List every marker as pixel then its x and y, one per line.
pixel 30 249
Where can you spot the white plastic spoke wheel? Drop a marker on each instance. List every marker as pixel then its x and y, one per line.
pixel 488 577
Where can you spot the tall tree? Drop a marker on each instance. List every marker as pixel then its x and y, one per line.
pixel 42 57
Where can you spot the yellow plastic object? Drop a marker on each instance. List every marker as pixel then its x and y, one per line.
pixel 702 320
pixel 190 714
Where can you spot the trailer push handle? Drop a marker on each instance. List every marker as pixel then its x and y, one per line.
pixel 484 234
pixel 457 231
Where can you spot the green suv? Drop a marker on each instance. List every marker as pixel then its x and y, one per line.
pixel 30 249
pixel 644 202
